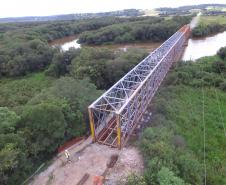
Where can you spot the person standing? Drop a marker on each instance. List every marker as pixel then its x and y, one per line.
pixel 67 154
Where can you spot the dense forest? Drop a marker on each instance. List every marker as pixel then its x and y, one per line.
pixel 44 92
pixel 41 111
pixel 24 48
pixel 153 29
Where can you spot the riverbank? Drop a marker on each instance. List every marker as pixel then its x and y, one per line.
pixel 72 41
pixel 209 25
pixel 212 44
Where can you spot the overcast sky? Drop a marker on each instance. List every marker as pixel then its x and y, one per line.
pixel 18 8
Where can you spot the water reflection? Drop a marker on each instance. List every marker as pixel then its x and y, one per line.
pixel 204 47
pixel 72 41
pixel 66 42
pixel 196 47
pixel 72 44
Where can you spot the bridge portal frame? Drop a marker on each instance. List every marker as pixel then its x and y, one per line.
pixel 115 114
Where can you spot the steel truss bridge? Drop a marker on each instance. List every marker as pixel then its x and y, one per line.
pixel 115 114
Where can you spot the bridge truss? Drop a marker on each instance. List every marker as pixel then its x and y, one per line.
pixel 115 114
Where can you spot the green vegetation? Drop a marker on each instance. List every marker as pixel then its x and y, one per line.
pixel 24 49
pixel 95 64
pixel 150 29
pixel 209 25
pixel 36 118
pixel 213 19
pixel 44 92
pixel 41 111
pixel 16 92
pixel 173 145
pixel 222 53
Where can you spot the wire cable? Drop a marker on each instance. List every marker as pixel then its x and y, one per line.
pixel 220 110
pixel 219 103
pixel 204 130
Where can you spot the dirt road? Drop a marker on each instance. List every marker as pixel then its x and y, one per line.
pixel 91 159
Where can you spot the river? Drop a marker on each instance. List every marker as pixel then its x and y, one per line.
pixel 72 41
pixel 204 46
pixel 196 47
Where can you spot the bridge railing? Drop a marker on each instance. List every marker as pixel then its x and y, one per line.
pixel 126 101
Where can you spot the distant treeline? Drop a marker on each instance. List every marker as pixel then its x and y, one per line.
pixel 186 9
pixel 78 16
pixel 153 29
pixel 214 12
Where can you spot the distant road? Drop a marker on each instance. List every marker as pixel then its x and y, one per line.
pixel 195 20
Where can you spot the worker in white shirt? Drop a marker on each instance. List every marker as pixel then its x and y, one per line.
pixel 67 155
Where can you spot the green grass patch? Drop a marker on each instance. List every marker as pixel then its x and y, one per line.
pixel 220 19
pixel 174 144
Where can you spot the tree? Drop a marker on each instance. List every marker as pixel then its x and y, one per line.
pixel 219 66
pixel 8 162
pixel 43 127
pixel 135 179
pixel 73 97
pixel 167 177
pixel 14 164
pixel 8 120
pixel 222 53
pixel 189 168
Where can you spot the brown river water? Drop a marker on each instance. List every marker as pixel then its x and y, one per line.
pixel 196 47
pixel 72 41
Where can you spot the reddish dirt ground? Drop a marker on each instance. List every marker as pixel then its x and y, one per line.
pixel 91 159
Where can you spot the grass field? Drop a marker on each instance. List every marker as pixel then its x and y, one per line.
pixel 185 110
pixel 178 113
pixel 220 19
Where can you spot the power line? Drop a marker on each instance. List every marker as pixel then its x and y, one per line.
pixel 219 108
pixel 204 130
pixel 219 103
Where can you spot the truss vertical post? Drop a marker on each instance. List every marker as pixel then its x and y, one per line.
pixel 118 121
pixel 92 124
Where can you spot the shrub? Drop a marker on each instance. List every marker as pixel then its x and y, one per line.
pixel 222 53
pixel 135 179
pixel 223 86
pixel 219 66
pixel 178 141
pixel 167 177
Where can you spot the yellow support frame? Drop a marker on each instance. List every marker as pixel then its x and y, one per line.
pixel 118 130
pixel 92 124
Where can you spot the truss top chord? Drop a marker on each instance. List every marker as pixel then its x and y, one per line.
pixel 127 86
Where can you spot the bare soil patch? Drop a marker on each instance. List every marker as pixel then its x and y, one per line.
pixel 90 160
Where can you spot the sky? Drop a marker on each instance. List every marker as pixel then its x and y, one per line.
pixel 19 8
